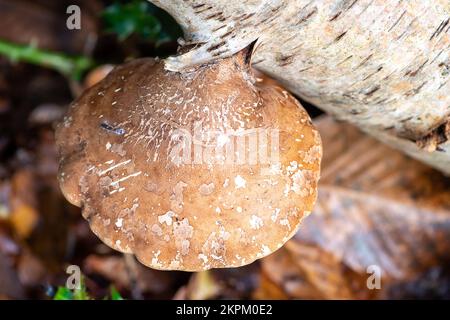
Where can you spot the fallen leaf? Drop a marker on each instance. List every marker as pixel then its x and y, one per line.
pixel 148 282
pixel 376 210
pixel 24 216
pixel 111 267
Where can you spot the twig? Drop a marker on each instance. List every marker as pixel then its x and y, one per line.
pixel 72 67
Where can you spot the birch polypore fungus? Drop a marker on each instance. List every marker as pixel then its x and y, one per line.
pixel 192 170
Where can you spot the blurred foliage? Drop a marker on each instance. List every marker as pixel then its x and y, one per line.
pixel 123 18
pixel 70 66
pixel 64 293
pixel 115 295
pixel 141 18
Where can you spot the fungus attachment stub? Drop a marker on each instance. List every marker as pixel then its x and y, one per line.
pixel 208 168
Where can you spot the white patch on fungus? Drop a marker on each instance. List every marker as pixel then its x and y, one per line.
pixel 222 140
pixel 274 215
pixel 84 186
pixel 256 222
pixel 275 169
pixel 174 264
pixel 301 182
pixel 265 250
pixel 215 245
pixel 176 198
pixel 206 189
pixel 67 121
pixel 224 234
pixel 114 167
pixel 292 167
pixel 156 229
pixel 166 218
pixel 203 257
pixel 312 155
pixel 239 182
pixel 185 247
pixel 125 178
pixel 119 223
pixel 182 231
pixel 155 261
pixel 227 206
pixel 285 222
pixel 118 148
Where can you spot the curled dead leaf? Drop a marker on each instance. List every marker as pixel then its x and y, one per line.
pixel 377 210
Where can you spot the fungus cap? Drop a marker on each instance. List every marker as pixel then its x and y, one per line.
pixel 203 169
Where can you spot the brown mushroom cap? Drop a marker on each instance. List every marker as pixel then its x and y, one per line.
pixel 117 147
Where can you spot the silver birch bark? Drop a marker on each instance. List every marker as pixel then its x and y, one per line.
pixel 383 65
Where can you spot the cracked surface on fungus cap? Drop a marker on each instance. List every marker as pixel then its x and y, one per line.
pixel 119 147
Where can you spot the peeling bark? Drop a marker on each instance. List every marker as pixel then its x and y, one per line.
pixel 383 65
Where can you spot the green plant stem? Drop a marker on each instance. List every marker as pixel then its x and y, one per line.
pixel 72 67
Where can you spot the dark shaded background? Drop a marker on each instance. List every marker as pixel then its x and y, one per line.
pixel 405 230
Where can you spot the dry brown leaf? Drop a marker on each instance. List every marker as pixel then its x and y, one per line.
pixel 148 282
pixel 24 215
pixel 24 218
pixel 267 288
pixel 375 207
pixel 281 278
pixel 111 267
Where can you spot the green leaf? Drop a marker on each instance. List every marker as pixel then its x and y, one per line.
pixel 71 66
pixel 141 18
pixel 133 17
pixel 63 294
pixel 115 295
pixel 81 293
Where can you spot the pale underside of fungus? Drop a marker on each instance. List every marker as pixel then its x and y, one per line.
pixel 204 168
pixel 383 65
